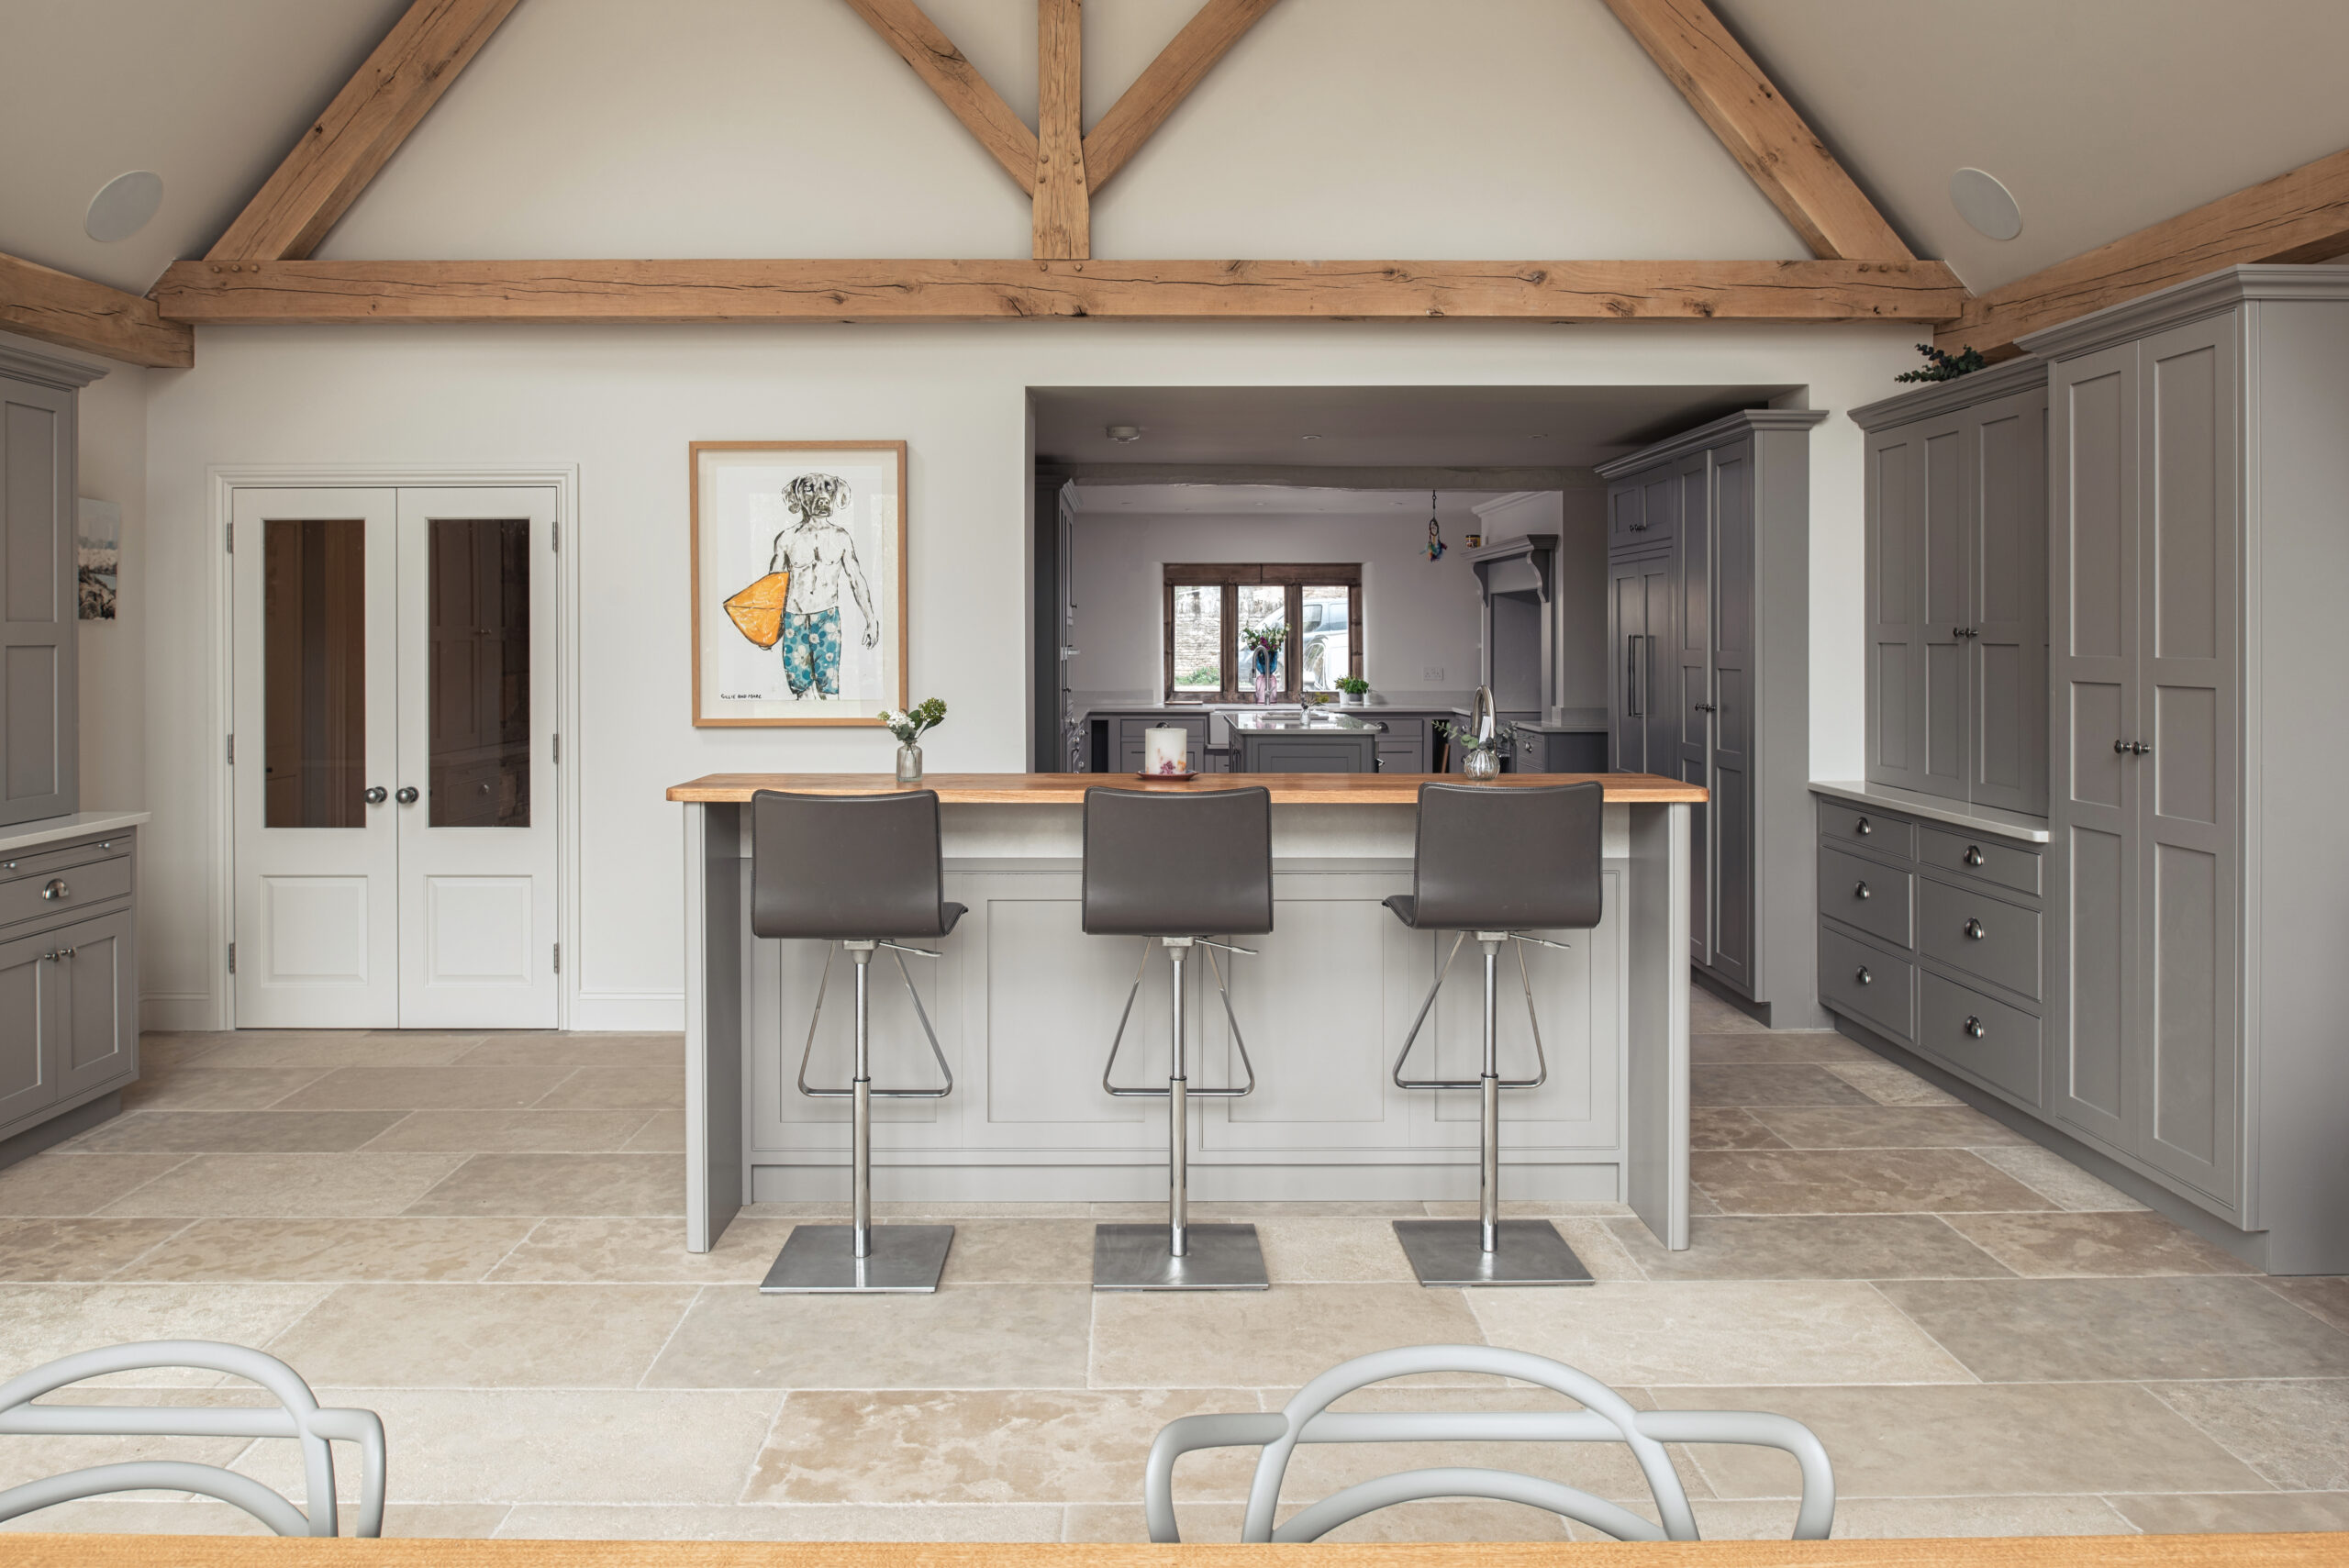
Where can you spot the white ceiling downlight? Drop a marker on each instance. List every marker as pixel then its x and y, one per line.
pixel 1123 432
pixel 123 205
pixel 1987 207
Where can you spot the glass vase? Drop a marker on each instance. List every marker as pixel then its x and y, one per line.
pixel 1483 764
pixel 909 765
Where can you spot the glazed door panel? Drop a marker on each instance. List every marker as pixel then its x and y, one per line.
pixel 2007 566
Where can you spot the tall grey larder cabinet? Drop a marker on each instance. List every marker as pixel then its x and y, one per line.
pixel 38 740
pixel 2199 839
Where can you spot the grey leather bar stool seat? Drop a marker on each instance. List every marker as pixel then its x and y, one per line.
pixel 864 873
pixel 1491 860
pixel 1178 870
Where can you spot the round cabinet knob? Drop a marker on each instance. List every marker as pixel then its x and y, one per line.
pixel 1973 854
pixel 1975 931
pixel 2120 748
pixel 1863 827
pixel 1859 890
pixel 408 796
pixel 56 889
pixel 376 795
pixel 1974 1027
pixel 2142 748
pixel 1863 976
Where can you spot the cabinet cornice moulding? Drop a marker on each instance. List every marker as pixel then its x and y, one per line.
pixel 1712 434
pixel 2214 292
pixel 1998 381
pixel 44 370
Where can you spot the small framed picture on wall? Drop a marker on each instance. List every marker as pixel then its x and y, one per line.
pixel 799 582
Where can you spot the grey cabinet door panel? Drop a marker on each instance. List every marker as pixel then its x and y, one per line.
pixel 1690 679
pixel 31 1014
pixel 1860 981
pixel 1983 1038
pixel 1894 836
pixel 1979 857
pixel 1623 515
pixel 38 739
pixel 1986 937
pixel 1877 898
pixel 1944 695
pixel 1895 651
pixel 99 1041
pixel 1735 678
pixel 2007 564
pixel 1640 626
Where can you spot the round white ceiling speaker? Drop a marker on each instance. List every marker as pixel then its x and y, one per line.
pixel 123 205
pixel 1984 204
pixel 1123 432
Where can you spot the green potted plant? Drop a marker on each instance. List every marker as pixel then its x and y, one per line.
pixel 1263 646
pixel 1357 690
pixel 1480 756
pixel 908 727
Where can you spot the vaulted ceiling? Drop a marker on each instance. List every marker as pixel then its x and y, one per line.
pixel 2102 116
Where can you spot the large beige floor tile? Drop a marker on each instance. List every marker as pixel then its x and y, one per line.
pixel 1810 1247
pixel 1707 1013
pixel 1010 1522
pixel 26 1458
pixel 1318 1251
pixel 1020 1252
pixel 143 1514
pixel 1782 1084
pixel 510 1132
pixel 327 1051
pixel 2138 1242
pixel 2326 1296
pixel 167 1087
pixel 1900 1519
pixel 981 1336
pixel 1884 1126
pixel 485 1336
pixel 1751 1048
pixel 236 1132
pixel 2210 1513
pixel 650 1250
pixel 663 1132
pixel 34 1250
pixel 1602 1251
pixel 1443 1520
pixel 1718 1332
pixel 177 1047
pixel 225 1186
pixel 553 1049
pixel 1201 1524
pixel 456 1088
pixel 1891 1085
pixel 66 1182
pixel 540 1186
pixel 1857 1181
pixel 2064 1184
pixel 987 1446
pixel 2052 1330
pixel 1729 1127
pixel 1972 1440
pixel 647 1087
pixel 1277 1339
pixel 335 1250
pixel 516 1445
pixel 40 1323
pixel 2294 1433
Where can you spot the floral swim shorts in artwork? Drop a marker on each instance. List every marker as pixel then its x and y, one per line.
pixel 811 652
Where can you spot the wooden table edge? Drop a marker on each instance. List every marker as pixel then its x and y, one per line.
pixel 1068 789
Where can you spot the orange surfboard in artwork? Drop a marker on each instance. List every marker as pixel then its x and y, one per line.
pixel 757 610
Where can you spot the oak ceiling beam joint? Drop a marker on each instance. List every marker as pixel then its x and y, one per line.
pixel 1142 108
pixel 1064 214
pixel 76 313
pixel 966 94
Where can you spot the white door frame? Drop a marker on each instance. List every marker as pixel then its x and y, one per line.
pixel 225 480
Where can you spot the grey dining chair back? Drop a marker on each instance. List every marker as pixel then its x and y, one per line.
pixel 297 1415
pixel 1605 1417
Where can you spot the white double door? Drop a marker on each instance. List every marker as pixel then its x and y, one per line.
pixel 394 758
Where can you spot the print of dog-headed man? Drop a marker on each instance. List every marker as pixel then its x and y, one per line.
pixel 820 556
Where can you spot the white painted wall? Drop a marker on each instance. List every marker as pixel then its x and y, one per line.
pixel 1419 613
pixel 112 655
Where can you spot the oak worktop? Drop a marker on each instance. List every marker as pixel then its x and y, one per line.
pixel 1068 789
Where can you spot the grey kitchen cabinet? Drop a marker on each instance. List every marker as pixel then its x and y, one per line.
pixel 40 739
pixel 69 992
pixel 1957 588
pixel 2196 928
pixel 1709 627
pixel 1404 748
pixel 1295 752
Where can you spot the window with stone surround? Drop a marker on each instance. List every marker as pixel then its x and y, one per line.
pixel 1210 605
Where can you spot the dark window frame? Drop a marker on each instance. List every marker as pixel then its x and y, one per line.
pixel 1230 576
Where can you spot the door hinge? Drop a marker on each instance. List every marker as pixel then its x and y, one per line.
pixel 232 751
pixel 233 958
pixel 558 536
pixel 558 958
pixel 228 536
pixel 558 749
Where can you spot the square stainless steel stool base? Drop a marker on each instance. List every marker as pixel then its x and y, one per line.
pixel 1451 1252
pixel 1215 1257
pixel 820 1260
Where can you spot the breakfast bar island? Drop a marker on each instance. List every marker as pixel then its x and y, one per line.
pixel 1025 1005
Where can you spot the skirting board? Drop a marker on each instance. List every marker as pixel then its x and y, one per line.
pixel 1210 1184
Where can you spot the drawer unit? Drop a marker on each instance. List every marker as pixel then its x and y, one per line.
pixel 62 890
pixel 47 862
pixel 1986 858
pixel 1996 1043
pixel 1842 824
pixel 1872 986
pixel 1861 893
pixel 1985 937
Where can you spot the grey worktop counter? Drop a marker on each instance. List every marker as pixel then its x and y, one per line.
pixel 74 824
pixel 1999 824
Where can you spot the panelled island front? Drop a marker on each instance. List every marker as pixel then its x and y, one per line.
pixel 1025 1005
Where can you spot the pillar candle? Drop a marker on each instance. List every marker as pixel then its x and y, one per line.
pixel 1166 750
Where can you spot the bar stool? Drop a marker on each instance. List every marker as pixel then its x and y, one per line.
pixel 857 871
pixel 1175 869
pixel 1490 860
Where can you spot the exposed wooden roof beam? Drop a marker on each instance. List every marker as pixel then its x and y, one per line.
pixel 1064 200
pixel 360 129
pixel 995 290
pixel 1760 128
pixel 1141 108
pixel 74 313
pixel 2302 215
pixel 957 83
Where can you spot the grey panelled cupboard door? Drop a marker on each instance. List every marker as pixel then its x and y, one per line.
pixel 1640 621
pixel 2007 572
pixel 31 1014
pixel 1941 699
pixel 1689 679
pixel 1896 635
pixel 1731 812
pixel 39 744
pixel 101 996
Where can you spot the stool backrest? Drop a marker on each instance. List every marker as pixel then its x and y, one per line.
pixel 846 867
pixel 1158 863
pixel 1495 858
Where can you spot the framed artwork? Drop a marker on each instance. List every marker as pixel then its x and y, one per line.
pixel 799 582
pixel 97 538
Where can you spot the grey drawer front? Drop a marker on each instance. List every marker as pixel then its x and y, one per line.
pixel 1861 893
pixel 50 860
pixel 2005 1054
pixel 81 886
pixel 1842 824
pixel 1985 858
pixel 1884 997
pixel 2006 951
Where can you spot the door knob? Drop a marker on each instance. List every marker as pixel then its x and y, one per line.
pixel 1974 1027
pixel 1859 890
pixel 2120 748
pixel 1975 931
pixel 1973 854
pixel 408 796
pixel 2142 748
pixel 56 889
pixel 376 795
pixel 1863 976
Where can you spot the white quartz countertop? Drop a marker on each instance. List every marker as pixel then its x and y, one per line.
pixel 80 824
pixel 1958 814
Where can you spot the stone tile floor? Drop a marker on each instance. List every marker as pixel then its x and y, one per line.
pixel 477 1236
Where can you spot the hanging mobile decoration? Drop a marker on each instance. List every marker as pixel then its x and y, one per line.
pixel 1435 531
